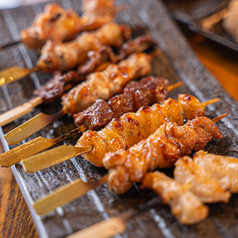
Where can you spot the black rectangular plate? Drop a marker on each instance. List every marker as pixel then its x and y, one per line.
pixel 178 62
pixel 193 13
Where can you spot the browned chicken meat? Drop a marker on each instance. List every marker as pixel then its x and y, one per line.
pixel 222 168
pixel 200 181
pixel 58 24
pixel 65 56
pixel 130 128
pixel 107 83
pixel 160 150
pixel 135 95
pixel 185 206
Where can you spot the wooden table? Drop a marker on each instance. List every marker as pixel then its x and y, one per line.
pixel 15 219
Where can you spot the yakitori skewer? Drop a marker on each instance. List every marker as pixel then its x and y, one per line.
pixel 66 56
pixel 102 85
pixel 160 150
pixel 136 94
pixel 117 134
pixel 59 83
pixel 59 24
pixel 209 177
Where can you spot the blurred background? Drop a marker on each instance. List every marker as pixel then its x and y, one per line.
pixel 17 3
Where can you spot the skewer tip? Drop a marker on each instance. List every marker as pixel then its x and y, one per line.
pixel 173 86
pixel 217 119
pixel 205 104
pixel 155 53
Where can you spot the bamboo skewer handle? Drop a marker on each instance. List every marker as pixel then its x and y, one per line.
pixel 60 154
pixel 19 111
pixel 14 73
pixel 65 194
pixel 30 127
pixel 32 147
pixel 104 229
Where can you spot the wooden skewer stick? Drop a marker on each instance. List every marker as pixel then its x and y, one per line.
pixel 19 111
pixel 64 152
pixel 30 127
pixel 114 225
pixel 61 196
pixel 70 192
pixel 15 73
pixel 32 147
pixel 9 44
pixel 60 154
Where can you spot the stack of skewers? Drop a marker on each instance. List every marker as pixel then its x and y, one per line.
pixel 122 133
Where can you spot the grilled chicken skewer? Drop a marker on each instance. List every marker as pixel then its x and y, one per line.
pixel 209 177
pixel 117 134
pixel 58 24
pixel 66 56
pixel 156 90
pixel 185 205
pixel 102 85
pixel 160 149
pixel 55 87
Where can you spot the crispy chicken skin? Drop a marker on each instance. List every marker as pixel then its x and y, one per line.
pixel 185 206
pixel 160 150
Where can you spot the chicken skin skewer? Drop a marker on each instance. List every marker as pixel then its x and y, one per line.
pixel 117 134
pixel 161 149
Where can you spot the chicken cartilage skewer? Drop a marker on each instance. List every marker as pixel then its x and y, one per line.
pixel 113 138
pixel 66 56
pixel 200 181
pixel 158 86
pixel 58 24
pixel 97 85
pixel 185 206
pixel 161 149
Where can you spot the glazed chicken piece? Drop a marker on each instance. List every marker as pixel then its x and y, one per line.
pixel 185 206
pixel 160 150
pixel 97 61
pixel 65 56
pixel 107 83
pixel 58 24
pixel 223 168
pixel 200 181
pixel 130 128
